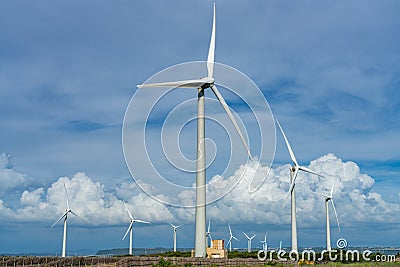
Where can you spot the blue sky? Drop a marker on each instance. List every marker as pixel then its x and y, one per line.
pixel 329 70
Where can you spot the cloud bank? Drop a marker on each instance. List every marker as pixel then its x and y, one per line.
pixel 355 200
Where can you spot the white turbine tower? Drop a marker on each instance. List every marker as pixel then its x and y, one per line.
pixel 130 228
pixel 264 243
pixel 201 85
pixel 208 233
pixel 294 169
pixel 328 229
pixel 249 241
pixel 230 238
pixel 65 216
pixel 175 227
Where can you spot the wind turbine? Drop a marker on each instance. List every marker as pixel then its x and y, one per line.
pixel 130 227
pixel 249 241
pixel 208 233
pixel 264 243
pixel 175 227
pixel 328 229
pixel 201 85
pixel 230 238
pixel 294 169
pixel 65 216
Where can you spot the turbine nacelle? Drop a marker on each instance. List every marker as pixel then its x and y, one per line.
pixel 293 168
pixel 208 82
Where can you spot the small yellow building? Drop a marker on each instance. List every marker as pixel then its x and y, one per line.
pixel 217 250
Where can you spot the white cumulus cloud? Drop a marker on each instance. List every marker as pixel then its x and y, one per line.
pixel 355 201
pixel 10 179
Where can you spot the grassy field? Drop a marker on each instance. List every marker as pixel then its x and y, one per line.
pixel 364 264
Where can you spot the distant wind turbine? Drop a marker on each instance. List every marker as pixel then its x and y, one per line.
pixel 130 227
pixel 201 85
pixel 249 241
pixel 294 169
pixel 208 233
pixel 65 216
pixel 328 229
pixel 264 243
pixel 175 227
pixel 230 238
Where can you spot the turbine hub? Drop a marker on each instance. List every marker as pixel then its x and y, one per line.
pixel 207 82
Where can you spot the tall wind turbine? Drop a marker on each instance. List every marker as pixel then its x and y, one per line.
pixel 201 85
pixel 264 243
pixel 294 169
pixel 328 229
pixel 130 227
pixel 230 238
pixel 249 241
pixel 208 233
pixel 175 227
pixel 65 216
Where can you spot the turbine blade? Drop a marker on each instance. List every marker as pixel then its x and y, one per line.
pixel 208 229
pixel 230 231
pixel 322 195
pixel 179 226
pixel 78 216
pixel 291 185
pixel 334 209
pixel 173 226
pixel 293 180
pixel 246 235
pixel 310 171
pixel 252 236
pixel 211 50
pixel 235 238
pixel 58 220
pixel 126 207
pixel 230 115
pixel 184 84
pixel 333 187
pixel 140 221
pixel 127 231
pixel 66 195
pixel 288 145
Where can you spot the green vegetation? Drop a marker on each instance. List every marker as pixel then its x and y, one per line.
pixel 362 264
pixel 166 263
pixel 163 263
